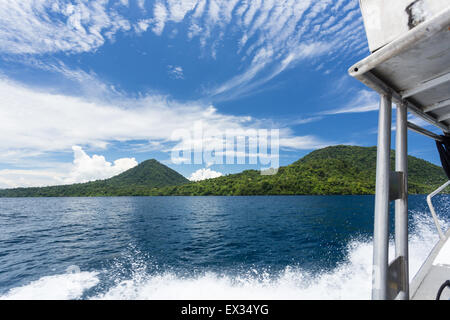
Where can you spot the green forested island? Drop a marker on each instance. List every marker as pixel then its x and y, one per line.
pixel 333 170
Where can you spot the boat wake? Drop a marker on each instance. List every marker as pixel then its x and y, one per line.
pixel 350 280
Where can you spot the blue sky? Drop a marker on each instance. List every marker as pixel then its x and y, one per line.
pixel 91 88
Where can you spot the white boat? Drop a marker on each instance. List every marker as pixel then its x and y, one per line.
pixel 409 65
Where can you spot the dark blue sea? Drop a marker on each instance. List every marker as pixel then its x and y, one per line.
pixel 267 247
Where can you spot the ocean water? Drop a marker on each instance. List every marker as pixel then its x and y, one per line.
pixel 268 247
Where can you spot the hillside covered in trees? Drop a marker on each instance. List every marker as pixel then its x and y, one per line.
pixel 329 171
pixel 332 170
pixel 139 180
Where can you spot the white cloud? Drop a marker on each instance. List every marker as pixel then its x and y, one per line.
pixel 350 5
pixel 200 7
pixel 175 72
pixel 83 169
pixel 275 34
pixel 160 16
pixel 87 83
pixel 36 123
pixel 175 11
pixel 10 178
pixel 40 26
pixel 141 4
pixel 179 8
pixel 142 25
pixel 306 120
pixel 86 168
pixel 36 120
pixel 303 143
pixel 124 3
pixel 365 101
pixel 360 109
pixel 203 174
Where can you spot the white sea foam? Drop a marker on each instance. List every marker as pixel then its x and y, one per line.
pixel 350 280
pixel 58 287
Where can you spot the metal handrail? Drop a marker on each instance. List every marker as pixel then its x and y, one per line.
pixel 433 212
pixel 414 127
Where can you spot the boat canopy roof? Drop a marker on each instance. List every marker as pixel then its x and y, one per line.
pixel 415 70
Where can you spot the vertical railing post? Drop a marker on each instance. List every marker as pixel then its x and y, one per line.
pixel 381 220
pixel 401 205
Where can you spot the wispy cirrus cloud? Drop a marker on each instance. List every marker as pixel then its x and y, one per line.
pixel 86 84
pixel 274 35
pixel 36 27
pixel 263 69
pixel 365 101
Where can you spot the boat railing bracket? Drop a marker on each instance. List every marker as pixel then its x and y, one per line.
pixel 396 185
pixel 397 280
